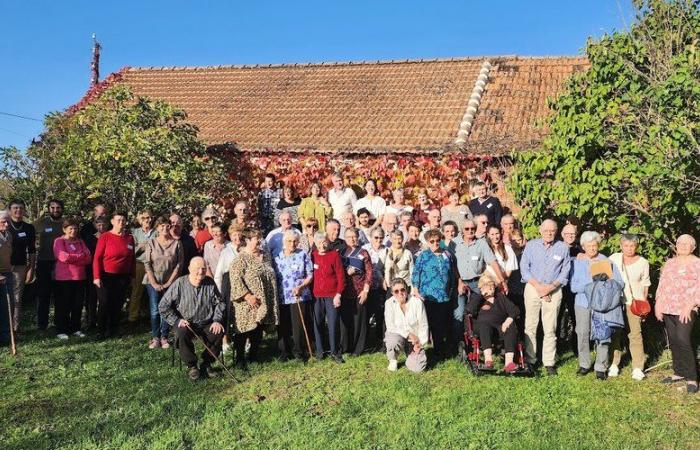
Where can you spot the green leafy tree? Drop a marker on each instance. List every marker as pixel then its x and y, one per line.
pixel 622 151
pixel 129 152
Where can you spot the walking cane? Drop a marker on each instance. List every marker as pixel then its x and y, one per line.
pixel 303 325
pixel 13 345
pixel 213 354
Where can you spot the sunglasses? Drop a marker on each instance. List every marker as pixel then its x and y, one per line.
pixel 434 241
pixel 469 228
pixel 376 237
pixel 399 290
pixel 312 227
pixel 209 218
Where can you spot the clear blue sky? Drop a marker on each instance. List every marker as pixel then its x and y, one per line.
pixel 45 45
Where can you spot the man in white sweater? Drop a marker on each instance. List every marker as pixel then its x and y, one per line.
pixel 406 328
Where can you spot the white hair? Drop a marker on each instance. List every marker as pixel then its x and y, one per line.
pixel 4 214
pixel 683 237
pixel 589 236
pixel 290 234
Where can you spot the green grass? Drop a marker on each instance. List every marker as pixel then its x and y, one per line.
pixel 118 394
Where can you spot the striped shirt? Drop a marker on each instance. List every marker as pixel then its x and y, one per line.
pixel 199 305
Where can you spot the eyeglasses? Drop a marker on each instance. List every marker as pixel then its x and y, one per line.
pixel 312 227
pixel 209 218
pixel 398 291
pixel 469 228
pixel 376 237
pixel 434 241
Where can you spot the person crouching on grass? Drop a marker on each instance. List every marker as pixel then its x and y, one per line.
pixel 191 305
pixel 406 328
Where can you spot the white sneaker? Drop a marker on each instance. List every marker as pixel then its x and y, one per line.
pixel 613 371
pixel 638 374
pixel 62 336
pixel 79 334
pixel 393 365
pixel 225 346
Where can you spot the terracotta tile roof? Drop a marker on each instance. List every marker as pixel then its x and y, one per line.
pixel 393 106
pixel 516 98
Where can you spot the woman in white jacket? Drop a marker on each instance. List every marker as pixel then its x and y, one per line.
pixel 406 328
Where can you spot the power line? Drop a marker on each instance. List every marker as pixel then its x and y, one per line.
pixel 14 132
pixel 19 117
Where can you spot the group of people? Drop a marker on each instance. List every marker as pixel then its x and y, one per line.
pixel 352 276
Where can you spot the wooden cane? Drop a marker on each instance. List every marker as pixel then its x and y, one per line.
pixel 303 325
pixel 213 354
pixel 13 344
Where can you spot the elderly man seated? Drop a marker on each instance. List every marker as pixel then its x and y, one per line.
pixel 192 305
pixel 406 328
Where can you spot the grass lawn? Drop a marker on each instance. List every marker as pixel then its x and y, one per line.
pixel 118 394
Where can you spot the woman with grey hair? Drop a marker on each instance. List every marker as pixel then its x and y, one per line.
pixel 585 267
pixel 635 273
pixel 677 303
pixel 5 275
pixel 377 291
pixel 406 328
pixel 399 261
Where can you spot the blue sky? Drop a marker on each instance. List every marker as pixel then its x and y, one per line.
pixel 45 45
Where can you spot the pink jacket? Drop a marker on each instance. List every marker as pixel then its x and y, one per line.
pixel 71 259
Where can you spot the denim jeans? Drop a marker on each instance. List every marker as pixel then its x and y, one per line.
pixel 159 328
pixel 459 310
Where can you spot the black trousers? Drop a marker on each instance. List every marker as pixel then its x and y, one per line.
pixel 354 323
pixel 519 301
pixel 240 339
pixel 682 351
pixel 69 306
pixel 112 296
pixel 376 300
pixel 186 338
pixel 439 321
pixel 290 331
pixel 90 305
pixel 487 330
pixel 46 287
pixel 566 321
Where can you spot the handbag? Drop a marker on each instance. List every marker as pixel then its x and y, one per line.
pixel 639 307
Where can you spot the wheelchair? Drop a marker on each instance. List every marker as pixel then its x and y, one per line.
pixel 470 353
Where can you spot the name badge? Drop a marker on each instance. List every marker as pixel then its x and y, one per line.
pixel 557 257
pixel 130 247
pixel 489 205
pixel 48 230
pixel 72 247
pixel 361 257
pixel 22 234
pixel 315 266
pixel 475 258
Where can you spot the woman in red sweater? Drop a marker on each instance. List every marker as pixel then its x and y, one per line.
pixel 328 285
pixel 72 255
pixel 113 269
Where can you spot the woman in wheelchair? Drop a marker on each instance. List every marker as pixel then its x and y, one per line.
pixel 493 313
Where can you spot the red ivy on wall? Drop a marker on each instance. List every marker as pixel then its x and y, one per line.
pixel 436 174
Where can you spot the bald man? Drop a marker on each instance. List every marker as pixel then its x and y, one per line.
pixel 191 305
pixel 544 267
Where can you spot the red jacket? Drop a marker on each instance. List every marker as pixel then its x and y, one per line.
pixel 114 254
pixel 201 238
pixel 329 274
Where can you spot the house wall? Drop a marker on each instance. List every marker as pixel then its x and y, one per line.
pixel 437 174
